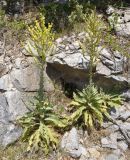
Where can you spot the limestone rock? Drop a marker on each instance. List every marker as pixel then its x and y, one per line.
pixel 124 116
pixel 94 153
pixel 70 144
pixel 122 145
pixel 3 69
pixel 110 142
pixel 126 95
pixel 122 27
pixel 26 79
pixel 11 135
pixel 3 108
pixel 111 157
pixel 5 83
pixel 71 65
pixel 17 102
pixel 102 69
pixel 126 126
pixel 8 132
pixel 75 60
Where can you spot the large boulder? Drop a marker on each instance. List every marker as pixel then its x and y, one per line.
pixel 26 79
pixel 13 105
pixel 71 66
pixel 20 80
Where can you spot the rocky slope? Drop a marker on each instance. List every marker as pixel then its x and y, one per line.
pixel 19 82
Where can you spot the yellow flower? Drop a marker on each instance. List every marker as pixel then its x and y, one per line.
pixel 41 36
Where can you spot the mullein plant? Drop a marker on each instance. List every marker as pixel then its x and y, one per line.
pixel 42 124
pixel 41 127
pixel 91 104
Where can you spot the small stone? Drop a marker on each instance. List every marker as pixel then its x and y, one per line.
pixel 110 142
pixel 126 95
pixel 117 54
pixel 70 143
pixel 71 47
pixel 105 53
pixel 94 153
pixel 117 152
pixel 62 46
pixel 102 69
pixel 110 10
pixel 67 48
pixel 76 45
pixel 122 145
pixel 123 29
pixel 127 15
pixel 111 157
pixel 5 83
pixel 124 116
pixel 81 35
pixel 59 40
pixel 21 63
pixel 126 126
pixel 3 69
pixel 120 137
pixel 84 152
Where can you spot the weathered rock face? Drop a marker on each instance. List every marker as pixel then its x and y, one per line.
pixel 70 65
pixel 19 83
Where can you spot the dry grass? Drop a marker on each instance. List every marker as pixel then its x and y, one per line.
pixel 14 152
pixel 18 152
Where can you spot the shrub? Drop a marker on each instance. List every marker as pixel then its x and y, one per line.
pixel 17 25
pixel 41 127
pixel 90 106
pixel 77 16
pixel 11 24
pixel 2 17
pixel 62 15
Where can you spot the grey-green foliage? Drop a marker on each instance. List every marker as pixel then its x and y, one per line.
pixel 91 105
pixel 41 126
